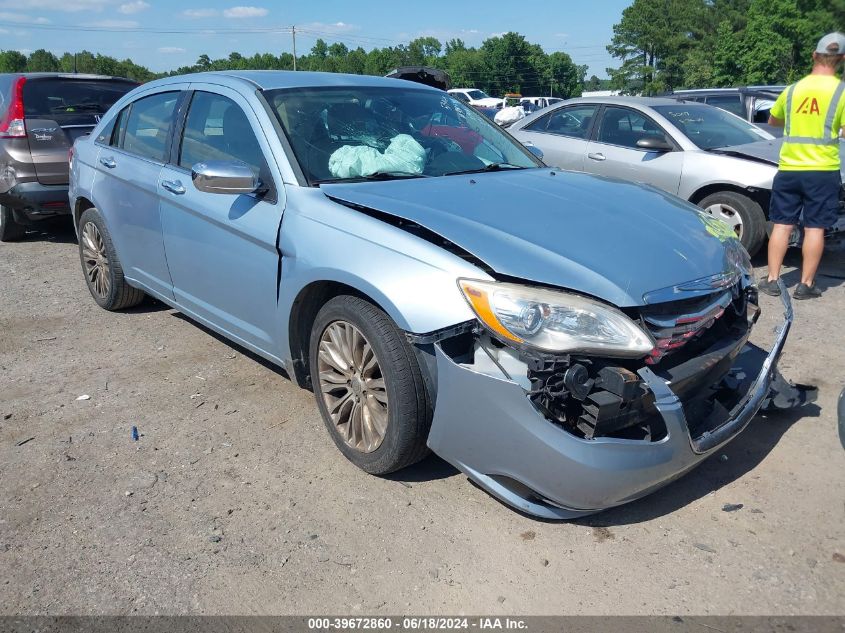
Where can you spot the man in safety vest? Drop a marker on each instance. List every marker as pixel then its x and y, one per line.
pixel 811 113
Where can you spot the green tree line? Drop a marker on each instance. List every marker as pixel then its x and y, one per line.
pixel 508 63
pixel 668 44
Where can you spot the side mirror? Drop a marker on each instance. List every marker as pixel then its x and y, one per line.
pixel 534 150
pixel 655 144
pixel 224 176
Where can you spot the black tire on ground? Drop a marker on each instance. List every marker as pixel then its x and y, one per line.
pixel 10 230
pixel 409 405
pixel 120 294
pixel 751 213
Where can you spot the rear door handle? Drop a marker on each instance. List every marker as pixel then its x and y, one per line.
pixel 108 162
pixel 596 156
pixel 173 186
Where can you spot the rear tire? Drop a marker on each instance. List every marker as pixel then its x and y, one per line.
pixel 358 357
pixel 101 265
pixel 10 230
pixel 742 213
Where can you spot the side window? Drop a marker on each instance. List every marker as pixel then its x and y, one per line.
pixel 731 103
pixel 621 126
pixel 148 125
pixel 573 122
pixel 218 129
pixel 117 129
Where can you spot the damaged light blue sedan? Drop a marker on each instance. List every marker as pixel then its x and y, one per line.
pixel 570 342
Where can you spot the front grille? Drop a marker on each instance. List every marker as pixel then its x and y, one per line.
pixel 675 324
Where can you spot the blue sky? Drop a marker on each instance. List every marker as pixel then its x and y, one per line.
pixel 132 28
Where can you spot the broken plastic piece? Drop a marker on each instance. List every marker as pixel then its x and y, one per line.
pixel 786 395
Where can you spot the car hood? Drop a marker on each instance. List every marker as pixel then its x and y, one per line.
pixel 608 238
pixel 769 152
pixel 764 151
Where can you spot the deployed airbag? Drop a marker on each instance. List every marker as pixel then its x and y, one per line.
pixel 403 155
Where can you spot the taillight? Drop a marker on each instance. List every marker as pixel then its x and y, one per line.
pixel 70 157
pixel 12 125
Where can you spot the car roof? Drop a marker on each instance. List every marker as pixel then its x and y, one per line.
pixel 623 100
pixel 48 75
pixel 273 79
pixel 704 91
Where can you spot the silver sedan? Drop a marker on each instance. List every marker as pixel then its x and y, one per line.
pixel 700 153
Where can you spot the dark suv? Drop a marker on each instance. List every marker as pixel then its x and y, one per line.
pixel 41 114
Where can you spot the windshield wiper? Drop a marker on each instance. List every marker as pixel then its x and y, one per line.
pixel 379 175
pixel 490 167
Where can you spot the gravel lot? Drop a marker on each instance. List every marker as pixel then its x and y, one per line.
pixel 235 501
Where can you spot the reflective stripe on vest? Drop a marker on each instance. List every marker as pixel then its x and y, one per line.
pixel 827 139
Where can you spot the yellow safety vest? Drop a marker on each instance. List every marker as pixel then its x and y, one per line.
pixel 812 111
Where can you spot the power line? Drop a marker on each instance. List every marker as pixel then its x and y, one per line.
pixel 104 29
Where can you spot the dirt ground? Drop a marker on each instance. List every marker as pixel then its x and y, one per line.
pixel 235 501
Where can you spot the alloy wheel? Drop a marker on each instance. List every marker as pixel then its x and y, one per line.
pixel 352 386
pixel 95 260
pixel 726 214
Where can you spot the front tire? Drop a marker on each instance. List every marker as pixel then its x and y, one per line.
pixel 368 386
pixel 10 230
pixel 741 213
pixel 101 265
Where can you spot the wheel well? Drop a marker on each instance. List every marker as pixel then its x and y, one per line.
pixel 303 312
pixel 81 205
pixel 760 196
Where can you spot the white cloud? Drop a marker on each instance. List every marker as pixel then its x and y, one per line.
pixel 133 7
pixel 114 24
pixel 333 28
pixel 199 13
pixel 171 49
pixel 245 12
pixel 20 18
pixel 69 6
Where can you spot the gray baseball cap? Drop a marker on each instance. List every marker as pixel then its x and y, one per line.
pixel 831 44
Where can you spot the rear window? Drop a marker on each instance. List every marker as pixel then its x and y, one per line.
pixel 71 101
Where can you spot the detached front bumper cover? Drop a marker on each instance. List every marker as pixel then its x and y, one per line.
pixel 488 428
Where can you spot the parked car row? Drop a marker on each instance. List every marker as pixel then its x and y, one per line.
pixel 570 342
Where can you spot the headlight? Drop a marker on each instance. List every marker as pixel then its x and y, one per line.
pixel 554 321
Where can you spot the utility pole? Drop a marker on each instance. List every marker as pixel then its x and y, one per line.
pixel 293 34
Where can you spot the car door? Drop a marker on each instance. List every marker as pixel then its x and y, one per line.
pixel 221 248
pixel 614 151
pixel 126 185
pixel 562 135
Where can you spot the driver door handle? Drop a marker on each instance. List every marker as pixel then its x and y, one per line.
pixel 596 156
pixel 173 186
pixel 108 162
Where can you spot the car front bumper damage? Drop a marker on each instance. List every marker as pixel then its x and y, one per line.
pixel 487 427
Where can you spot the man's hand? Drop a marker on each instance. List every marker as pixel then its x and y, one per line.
pixel 775 122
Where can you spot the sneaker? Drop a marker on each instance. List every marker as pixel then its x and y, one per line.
pixel 770 288
pixel 803 291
